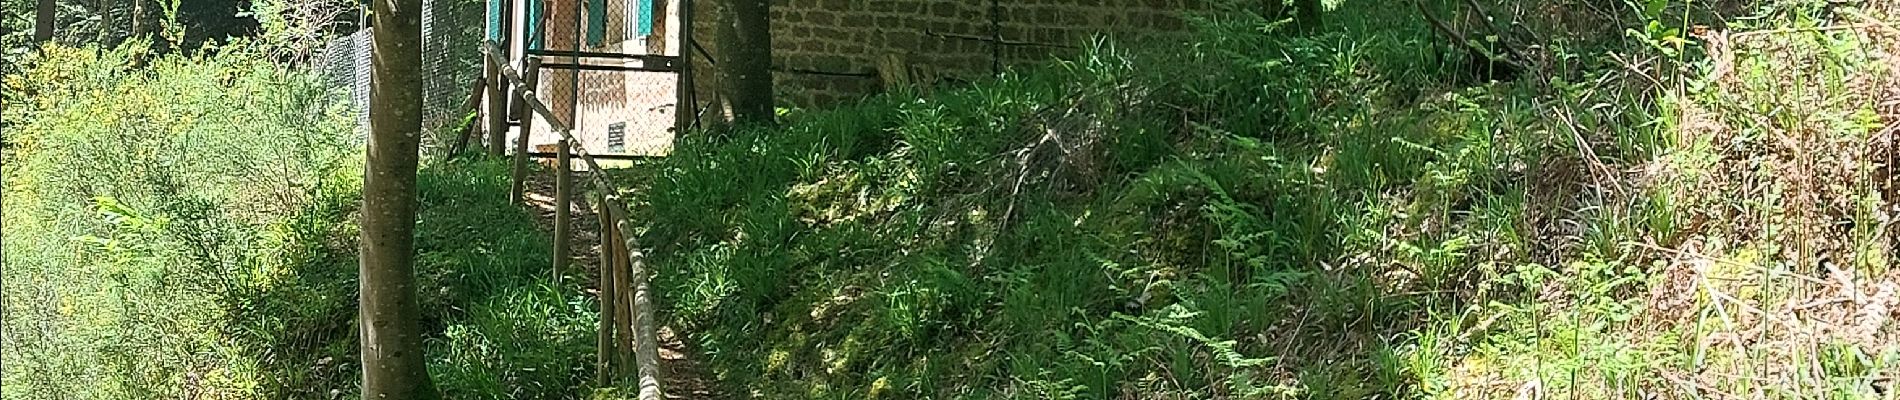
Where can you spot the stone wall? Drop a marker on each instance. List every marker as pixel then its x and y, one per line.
pixel 830 50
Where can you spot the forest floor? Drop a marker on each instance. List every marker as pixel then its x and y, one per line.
pixel 1681 200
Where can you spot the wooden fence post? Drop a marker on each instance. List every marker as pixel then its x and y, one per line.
pixel 644 340
pixel 608 346
pixel 497 105
pixel 563 203
pixel 531 73
pixel 685 106
pixel 623 297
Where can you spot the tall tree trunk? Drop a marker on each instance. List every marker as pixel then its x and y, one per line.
pixel 1308 15
pixel 106 22
pixel 748 61
pixel 393 364
pixel 1305 13
pixel 43 23
pixel 140 26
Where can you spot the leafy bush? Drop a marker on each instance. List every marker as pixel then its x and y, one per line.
pixel 144 204
pixel 186 228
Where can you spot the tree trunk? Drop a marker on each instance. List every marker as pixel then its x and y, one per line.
pixel 748 60
pixel 393 364
pixel 106 22
pixel 1308 15
pixel 140 27
pixel 1305 13
pixel 43 23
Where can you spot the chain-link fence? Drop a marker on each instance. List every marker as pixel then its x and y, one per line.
pixel 344 65
pixel 451 60
pixel 619 95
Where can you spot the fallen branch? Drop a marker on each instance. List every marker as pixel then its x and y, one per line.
pixel 1491 22
pixel 468 127
pixel 1469 45
pixel 1816 29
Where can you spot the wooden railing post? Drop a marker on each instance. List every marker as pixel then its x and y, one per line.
pixel 645 339
pixel 530 75
pixel 497 106
pixel 636 343
pixel 685 106
pixel 623 298
pixel 608 346
pixel 563 204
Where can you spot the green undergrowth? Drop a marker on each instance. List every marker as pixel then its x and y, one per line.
pixel 184 227
pixel 1253 214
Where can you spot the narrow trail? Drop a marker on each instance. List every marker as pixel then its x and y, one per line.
pixel 682 374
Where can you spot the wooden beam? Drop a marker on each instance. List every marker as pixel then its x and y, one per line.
pixel 623 299
pixel 563 206
pixel 684 105
pixel 497 106
pixel 610 68
pixel 607 345
pixel 519 186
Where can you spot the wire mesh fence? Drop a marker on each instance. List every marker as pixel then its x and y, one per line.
pixel 344 65
pixel 451 31
pixel 616 102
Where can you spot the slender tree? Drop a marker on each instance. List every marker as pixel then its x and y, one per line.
pixel 1308 14
pixel 107 22
pixel 140 26
pixel 747 42
pixel 1305 13
pixel 43 22
pixel 393 364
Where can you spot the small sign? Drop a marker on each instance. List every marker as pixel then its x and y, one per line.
pixel 617 137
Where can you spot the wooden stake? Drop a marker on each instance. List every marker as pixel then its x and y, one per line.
pixel 609 347
pixel 563 204
pixel 623 298
pixel 531 73
pixel 645 342
pixel 497 107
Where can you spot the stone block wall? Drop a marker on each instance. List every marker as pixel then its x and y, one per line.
pixel 827 51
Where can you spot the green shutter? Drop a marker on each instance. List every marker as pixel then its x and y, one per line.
pixel 536 21
pixel 596 22
pixel 495 11
pixel 645 24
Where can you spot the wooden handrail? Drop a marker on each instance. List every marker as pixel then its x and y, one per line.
pixel 529 97
pixel 646 347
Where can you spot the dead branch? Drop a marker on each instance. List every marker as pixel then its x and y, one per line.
pixel 468 129
pixel 1469 45
pixel 1491 22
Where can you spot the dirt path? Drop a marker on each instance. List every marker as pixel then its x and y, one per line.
pixel 682 375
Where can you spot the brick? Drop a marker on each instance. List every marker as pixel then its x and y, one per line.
pixel 848 35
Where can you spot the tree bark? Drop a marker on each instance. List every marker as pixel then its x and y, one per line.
pixel 1305 13
pixel 139 25
pixel 1308 15
pixel 43 22
pixel 393 364
pixel 106 22
pixel 748 60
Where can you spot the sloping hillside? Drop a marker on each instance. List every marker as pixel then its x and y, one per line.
pixel 1668 201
